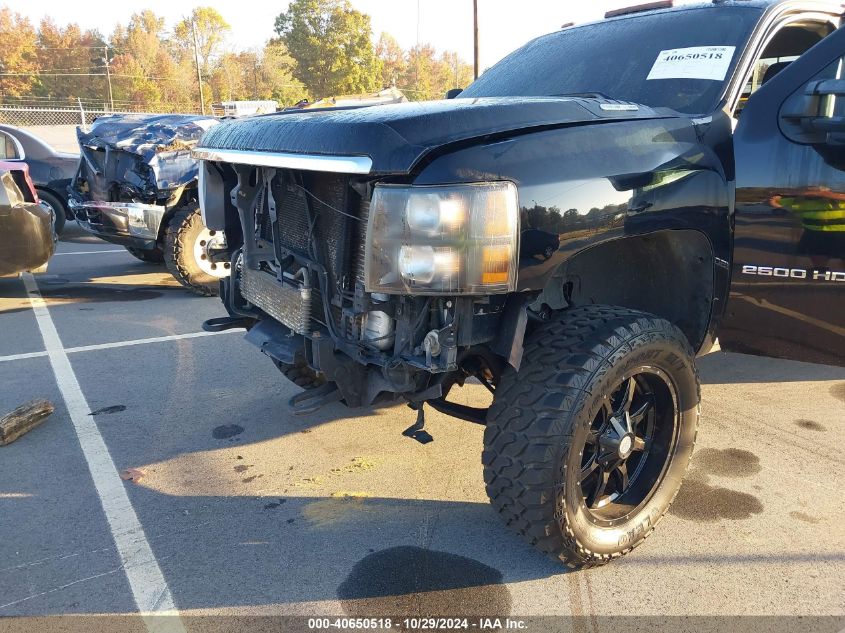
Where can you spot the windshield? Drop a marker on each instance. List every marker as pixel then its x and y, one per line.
pixel 631 59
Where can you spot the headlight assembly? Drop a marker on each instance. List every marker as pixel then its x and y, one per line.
pixel 143 220
pixel 443 240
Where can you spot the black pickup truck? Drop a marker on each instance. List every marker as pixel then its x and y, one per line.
pixel 687 167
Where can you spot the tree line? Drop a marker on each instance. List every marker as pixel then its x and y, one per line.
pixel 322 48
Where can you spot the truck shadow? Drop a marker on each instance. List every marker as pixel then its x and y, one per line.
pixel 391 557
pixel 224 509
pixel 75 234
pixel 74 282
pixel 64 291
pixel 361 557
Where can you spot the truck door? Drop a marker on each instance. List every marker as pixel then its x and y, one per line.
pixel 787 296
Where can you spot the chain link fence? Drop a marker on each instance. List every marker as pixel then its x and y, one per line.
pixel 23 116
pixel 26 117
pixel 57 125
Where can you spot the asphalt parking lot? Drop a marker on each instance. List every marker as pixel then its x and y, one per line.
pixel 219 502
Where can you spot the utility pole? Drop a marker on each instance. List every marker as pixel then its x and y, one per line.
pixel 475 35
pixel 417 53
pixel 107 62
pixel 255 78
pixel 84 125
pixel 197 61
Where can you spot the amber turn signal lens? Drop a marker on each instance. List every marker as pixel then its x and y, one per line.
pixel 496 265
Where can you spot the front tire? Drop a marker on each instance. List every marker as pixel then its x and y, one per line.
pixel 586 446
pixel 185 239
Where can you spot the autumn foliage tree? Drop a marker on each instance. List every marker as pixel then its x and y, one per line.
pixel 209 29
pixel 323 48
pixel 144 67
pixel 429 76
pixel 19 58
pixel 332 45
pixel 275 78
pixel 263 74
pixel 71 60
pixel 392 58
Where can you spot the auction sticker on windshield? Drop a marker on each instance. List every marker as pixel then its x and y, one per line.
pixel 698 62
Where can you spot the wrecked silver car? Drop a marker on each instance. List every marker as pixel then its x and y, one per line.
pixel 137 186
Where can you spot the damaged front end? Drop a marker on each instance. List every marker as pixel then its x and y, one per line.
pixel 384 307
pixel 133 169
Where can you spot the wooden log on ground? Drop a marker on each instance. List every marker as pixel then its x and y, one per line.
pixel 23 419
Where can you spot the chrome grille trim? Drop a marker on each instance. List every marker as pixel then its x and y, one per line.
pixel 281 160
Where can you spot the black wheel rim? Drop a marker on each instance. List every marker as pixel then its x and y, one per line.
pixel 629 446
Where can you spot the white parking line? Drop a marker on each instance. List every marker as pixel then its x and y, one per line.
pixel 146 341
pixel 146 580
pixel 6 359
pixel 139 341
pixel 112 250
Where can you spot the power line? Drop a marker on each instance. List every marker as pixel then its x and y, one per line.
pixel 60 70
pixel 41 100
pixel 35 97
pixel 49 74
pixel 70 48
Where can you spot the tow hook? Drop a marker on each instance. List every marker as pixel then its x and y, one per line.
pixel 417 430
pixel 221 324
pixel 315 399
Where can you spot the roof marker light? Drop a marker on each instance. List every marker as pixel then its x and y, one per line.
pixel 663 4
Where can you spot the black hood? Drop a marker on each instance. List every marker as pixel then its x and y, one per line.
pixel 397 136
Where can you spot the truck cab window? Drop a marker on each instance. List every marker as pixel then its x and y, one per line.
pixel 788 44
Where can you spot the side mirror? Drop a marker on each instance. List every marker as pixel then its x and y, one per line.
pixel 454 92
pixel 809 117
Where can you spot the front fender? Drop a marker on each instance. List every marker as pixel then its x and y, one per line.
pixel 584 185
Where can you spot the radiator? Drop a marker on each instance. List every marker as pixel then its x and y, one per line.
pixel 284 302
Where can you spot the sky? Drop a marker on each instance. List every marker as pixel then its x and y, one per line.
pixel 504 25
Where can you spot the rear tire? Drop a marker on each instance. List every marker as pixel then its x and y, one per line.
pixel 184 232
pixel 59 211
pixel 155 256
pixel 590 378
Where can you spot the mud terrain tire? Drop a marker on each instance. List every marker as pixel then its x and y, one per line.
pixel 553 419
pixel 181 234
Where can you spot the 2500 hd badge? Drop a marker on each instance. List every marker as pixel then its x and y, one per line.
pixel 815 274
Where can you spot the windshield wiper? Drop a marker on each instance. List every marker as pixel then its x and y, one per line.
pixel 585 95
